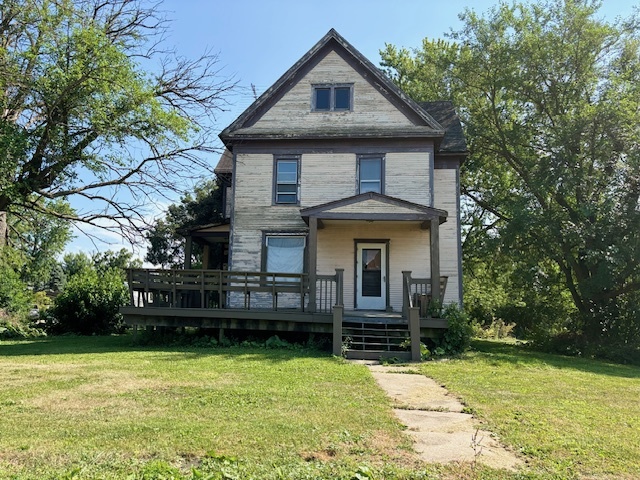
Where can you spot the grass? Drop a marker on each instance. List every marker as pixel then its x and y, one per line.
pixel 98 407
pixel 569 417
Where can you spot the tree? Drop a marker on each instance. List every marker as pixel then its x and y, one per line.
pixel 80 117
pixel 39 238
pixel 550 97
pixel 166 242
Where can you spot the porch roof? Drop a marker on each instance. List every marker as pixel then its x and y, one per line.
pixel 373 206
pixel 208 234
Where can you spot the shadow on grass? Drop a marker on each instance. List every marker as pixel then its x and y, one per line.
pixel 522 354
pixel 72 344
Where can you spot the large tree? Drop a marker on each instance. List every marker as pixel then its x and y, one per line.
pixel 550 96
pixel 93 106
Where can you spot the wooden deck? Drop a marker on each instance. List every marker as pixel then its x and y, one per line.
pixel 265 301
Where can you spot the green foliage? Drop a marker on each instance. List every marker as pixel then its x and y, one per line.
pixel 75 97
pixel 40 238
pixel 89 303
pixel 549 94
pixel 14 294
pixel 457 338
pixel 76 263
pixel 166 237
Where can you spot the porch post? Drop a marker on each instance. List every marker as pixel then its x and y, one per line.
pixel 205 256
pixel 406 276
pixel 187 253
pixel 414 333
pixel 338 311
pixel 434 233
pixel 313 262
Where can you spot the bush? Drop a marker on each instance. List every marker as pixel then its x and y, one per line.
pixel 89 304
pixel 17 327
pixel 457 337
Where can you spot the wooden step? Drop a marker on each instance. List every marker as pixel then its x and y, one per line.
pixel 377 355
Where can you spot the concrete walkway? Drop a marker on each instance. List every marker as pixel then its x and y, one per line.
pixel 435 419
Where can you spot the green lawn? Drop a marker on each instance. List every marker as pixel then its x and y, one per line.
pixel 98 407
pixel 569 417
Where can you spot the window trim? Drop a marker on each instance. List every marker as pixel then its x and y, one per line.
pixel 382 170
pixel 284 233
pixel 332 96
pixel 289 158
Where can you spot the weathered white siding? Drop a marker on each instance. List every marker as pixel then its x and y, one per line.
pixel 327 177
pixel 371 206
pixel 253 210
pixel 292 113
pixel 407 176
pixel 446 198
pixel 408 250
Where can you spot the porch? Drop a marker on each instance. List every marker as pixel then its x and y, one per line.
pixel 281 302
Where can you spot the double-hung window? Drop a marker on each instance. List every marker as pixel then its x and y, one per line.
pixel 287 179
pixel 331 98
pixel 370 174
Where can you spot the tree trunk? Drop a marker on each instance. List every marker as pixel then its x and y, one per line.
pixel 3 229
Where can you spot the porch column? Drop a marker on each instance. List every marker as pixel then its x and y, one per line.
pixel 205 256
pixel 434 233
pixel 187 253
pixel 313 262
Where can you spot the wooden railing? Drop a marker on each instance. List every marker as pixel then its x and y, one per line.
pixel 191 288
pixel 329 291
pixel 417 293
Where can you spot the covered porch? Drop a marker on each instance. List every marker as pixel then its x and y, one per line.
pixel 375 238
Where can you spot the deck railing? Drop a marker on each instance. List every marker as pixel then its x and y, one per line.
pixel 417 293
pixel 192 288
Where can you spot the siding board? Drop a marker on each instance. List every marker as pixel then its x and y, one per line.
pixel 445 189
pixel 292 113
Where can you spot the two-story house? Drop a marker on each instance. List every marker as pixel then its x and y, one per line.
pixel 334 167
pixel 344 215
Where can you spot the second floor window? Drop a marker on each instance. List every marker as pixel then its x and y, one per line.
pixel 327 98
pixel 370 175
pixel 286 180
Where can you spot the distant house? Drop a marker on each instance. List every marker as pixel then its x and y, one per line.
pixel 337 180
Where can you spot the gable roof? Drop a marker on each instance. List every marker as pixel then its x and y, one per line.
pixel 333 41
pixel 402 210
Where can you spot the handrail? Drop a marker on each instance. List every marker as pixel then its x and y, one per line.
pixel 417 292
pixel 203 288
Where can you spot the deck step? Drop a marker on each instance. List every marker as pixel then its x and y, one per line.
pixel 377 355
pixel 375 335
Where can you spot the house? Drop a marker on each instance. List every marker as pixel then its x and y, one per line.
pixel 338 180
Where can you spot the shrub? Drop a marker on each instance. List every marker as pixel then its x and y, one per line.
pixel 89 304
pixel 16 326
pixel 457 337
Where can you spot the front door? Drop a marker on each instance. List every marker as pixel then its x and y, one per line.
pixel 371 276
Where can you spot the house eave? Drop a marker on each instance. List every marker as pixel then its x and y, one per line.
pixel 230 140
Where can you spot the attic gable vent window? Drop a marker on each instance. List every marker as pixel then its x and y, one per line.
pixel 331 98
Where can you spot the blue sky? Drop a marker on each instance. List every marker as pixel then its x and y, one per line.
pixel 257 41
